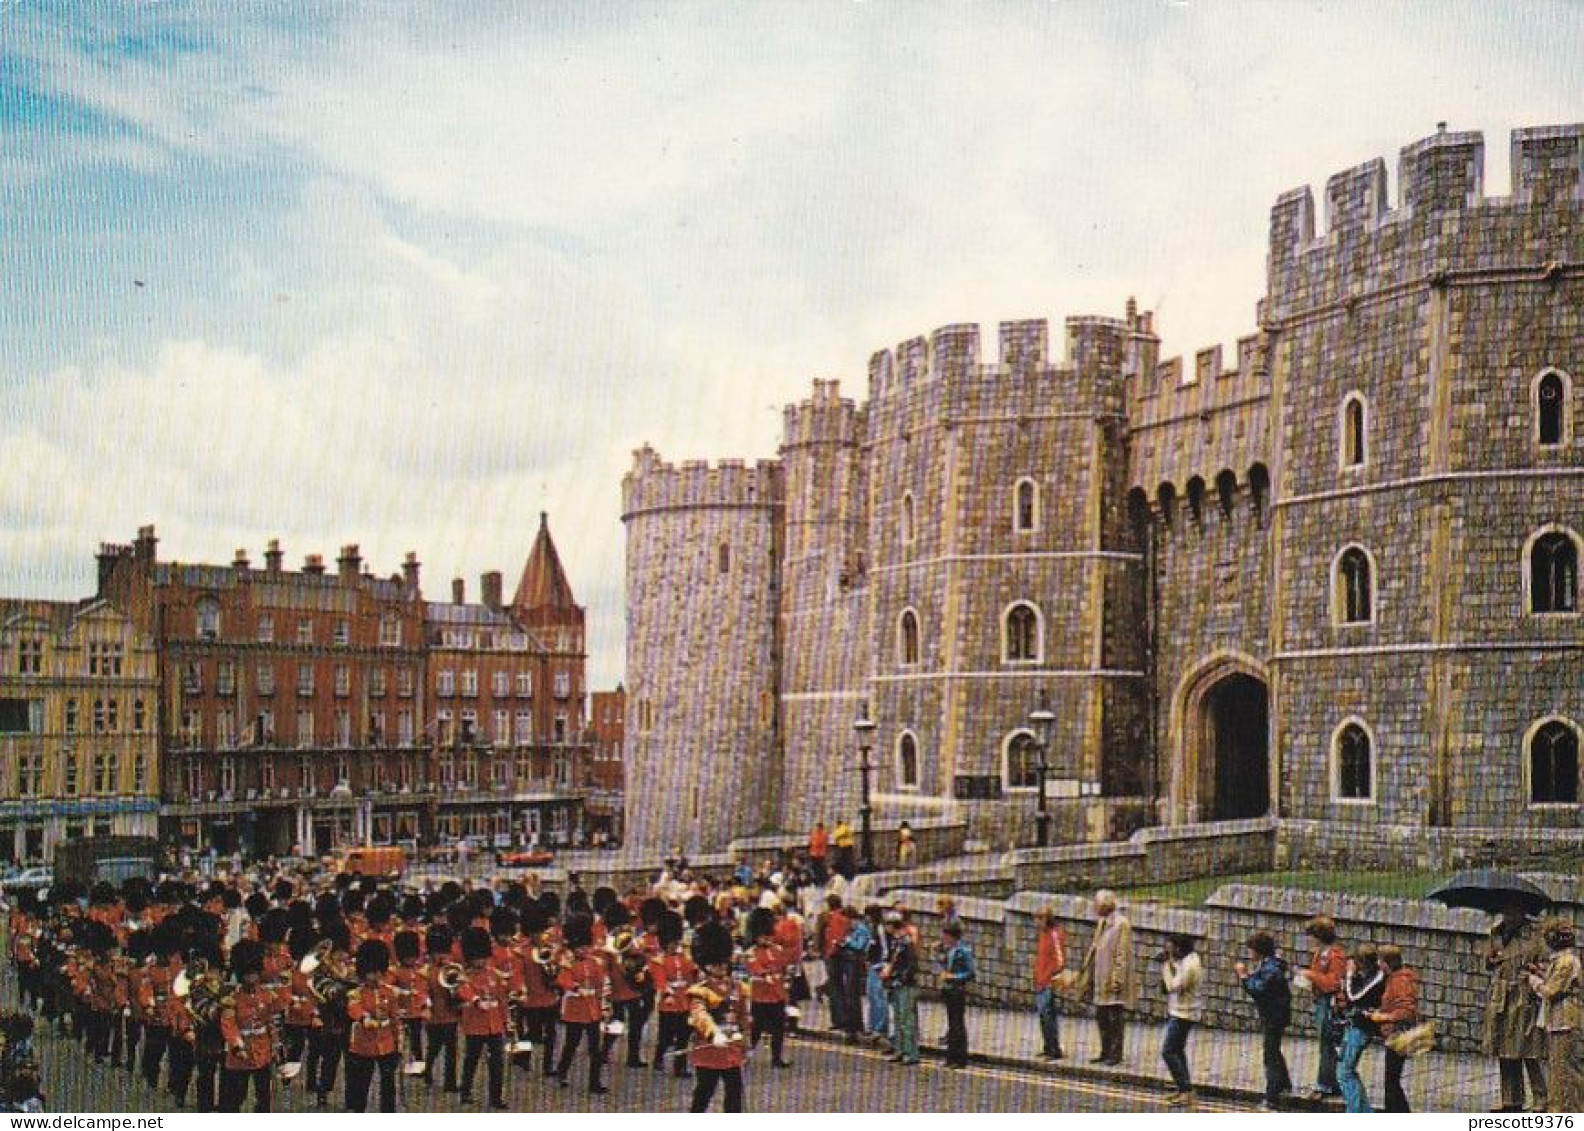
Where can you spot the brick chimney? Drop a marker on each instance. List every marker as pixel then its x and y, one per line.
pixel 314 565
pixel 490 589
pixel 347 565
pixel 458 591
pixel 239 560
pixel 410 571
pixel 273 557
pixel 144 549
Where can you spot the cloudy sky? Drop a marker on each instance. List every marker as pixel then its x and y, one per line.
pixel 405 275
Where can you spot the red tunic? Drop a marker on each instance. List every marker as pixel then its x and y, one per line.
pixel 374 1016
pixel 586 982
pixel 504 961
pixel 718 1015
pixel 767 967
pixel 139 992
pixel 248 1029
pixel 672 974
pixel 483 997
pixel 302 1008
pixel 442 1002
pixel 539 990
pixel 410 984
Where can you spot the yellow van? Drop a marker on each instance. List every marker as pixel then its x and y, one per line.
pixel 382 861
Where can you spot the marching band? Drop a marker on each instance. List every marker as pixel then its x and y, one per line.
pixel 166 981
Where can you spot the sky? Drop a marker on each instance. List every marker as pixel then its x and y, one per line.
pixel 407 275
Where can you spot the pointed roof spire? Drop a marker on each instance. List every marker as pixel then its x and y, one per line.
pixel 544 583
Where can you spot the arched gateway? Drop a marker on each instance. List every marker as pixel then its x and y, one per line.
pixel 1220 741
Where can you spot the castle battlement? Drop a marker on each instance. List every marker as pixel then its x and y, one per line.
pixel 654 484
pixel 824 418
pixel 1369 244
pixel 952 353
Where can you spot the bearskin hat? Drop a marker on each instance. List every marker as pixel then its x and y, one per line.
pixel 406 944
pixel 412 908
pixel 668 927
pixel 476 944
pixel 697 910
pixel 373 957
pixel 534 918
pixel 712 945
pixel 604 896
pixel 301 941
pixel 503 923
pixel 761 922
pixel 247 957
pixel 273 925
pixel 439 939
pixel 578 931
pixel 649 911
pixel 616 915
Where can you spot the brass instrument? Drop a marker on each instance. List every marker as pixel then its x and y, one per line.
pixel 450 976
pixel 312 960
pixel 181 985
pixel 330 980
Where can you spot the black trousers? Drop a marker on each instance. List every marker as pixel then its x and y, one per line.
pixel 494 1049
pixel 134 1036
pixel 327 1049
pixel 413 1027
pixel 955 998
pixel 301 1048
pixel 207 1079
pixel 1108 1018
pixel 97 1033
pixel 155 1040
pixel 704 1088
pixel 234 1088
pixel 442 1039
pixel 360 1073
pixel 635 1015
pixel 182 1061
pixel 576 1033
pixel 1277 1080
pixel 1396 1098
pixel 769 1019
pixel 542 1023
pixel 673 1035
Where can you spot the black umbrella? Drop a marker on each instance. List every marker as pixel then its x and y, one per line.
pixel 1488 890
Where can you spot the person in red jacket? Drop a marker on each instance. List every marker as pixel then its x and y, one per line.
pixel 409 981
pixel 540 993
pixel 768 962
pixel 247 1026
pixel 1050 961
pixel 672 972
pixel 628 967
pixel 1398 1010
pixel 718 1015
pixel 1324 975
pixel 483 998
pixel 440 1034
pixel 376 1019
pixel 585 1002
pixel 137 993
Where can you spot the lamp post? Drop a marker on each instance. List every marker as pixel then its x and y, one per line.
pixel 864 727
pixel 1042 721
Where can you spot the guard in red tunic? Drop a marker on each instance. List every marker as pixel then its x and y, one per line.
pixel 248 1021
pixel 672 972
pixel 631 1002
pixel 538 955
pixel 409 981
pixel 585 984
pixel 482 996
pixel 376 1021
pixel 440 1033
pixel 768 962
pixel 718 1016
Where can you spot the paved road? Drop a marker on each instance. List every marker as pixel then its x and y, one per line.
pixel 824 1078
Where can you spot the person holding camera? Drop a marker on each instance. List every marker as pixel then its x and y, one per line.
pixel 1181 976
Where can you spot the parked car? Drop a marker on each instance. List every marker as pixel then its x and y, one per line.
pixel 525 858
pixel 28 879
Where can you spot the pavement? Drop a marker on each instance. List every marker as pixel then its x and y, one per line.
pixel 1225 1064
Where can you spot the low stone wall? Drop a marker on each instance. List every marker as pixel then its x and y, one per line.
pixel 990 880
pixel 936 838
pixel 1446 947
pixel 1150 856
pixel 1307 844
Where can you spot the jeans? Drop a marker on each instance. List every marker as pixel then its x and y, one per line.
pixel 1353 1095
pixel 1277 1080
pixel 955 998
pixel 1174 1051
pixel 904 1021
pixel 1050 1032
pixel 1326 1077
pixel 879 1019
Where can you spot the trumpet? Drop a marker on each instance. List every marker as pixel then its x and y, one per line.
pixel 450 976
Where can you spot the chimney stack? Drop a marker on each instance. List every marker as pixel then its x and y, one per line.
pixel 348 563
pixel 144 548
pixel 458 591
pixel 410 572
pixel 313 565
pixel 490 587
pixel 239 560
pixel 273 557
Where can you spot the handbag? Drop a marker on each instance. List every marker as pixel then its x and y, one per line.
pixel 1411 1042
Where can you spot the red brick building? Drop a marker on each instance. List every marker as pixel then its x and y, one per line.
pixel 603 778
pixel 302 710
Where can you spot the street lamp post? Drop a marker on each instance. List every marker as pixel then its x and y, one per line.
pixel 1043 721
pixel 864 727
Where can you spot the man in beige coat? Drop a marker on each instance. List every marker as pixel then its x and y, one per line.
pixel 1560 988
pixel 1109 975
pixel 1512 1034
